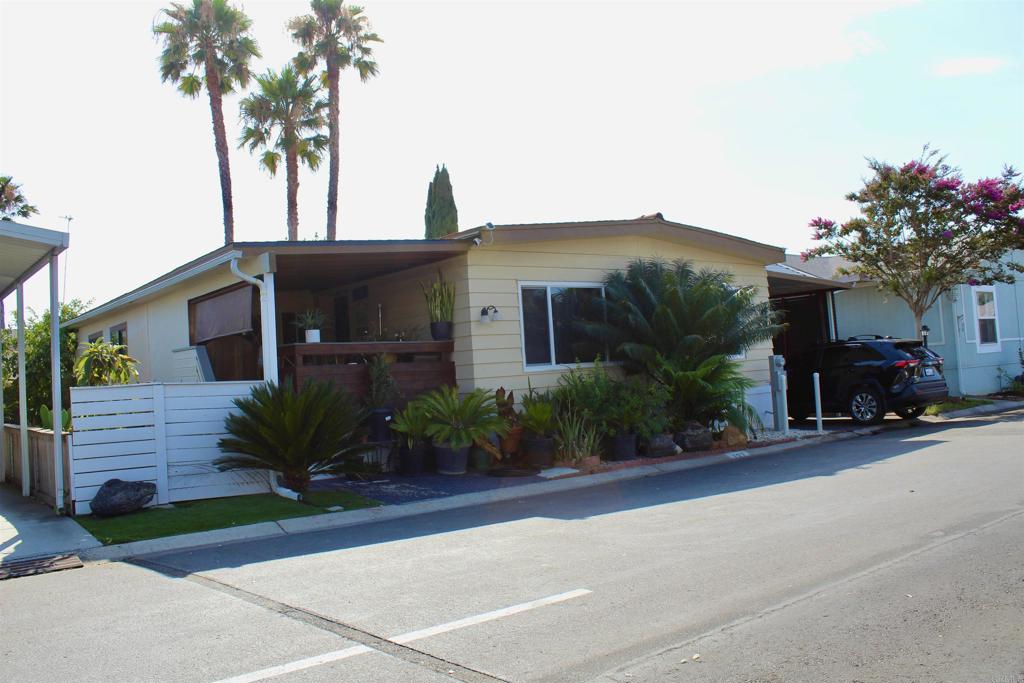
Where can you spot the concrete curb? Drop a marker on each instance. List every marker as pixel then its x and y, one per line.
pixel 298 525
pixel 996 407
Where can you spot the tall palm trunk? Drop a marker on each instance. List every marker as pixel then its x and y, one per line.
pixel 292 170
pixel 334 112
pixel 220 138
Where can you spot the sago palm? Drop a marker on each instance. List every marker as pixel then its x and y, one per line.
pixel 298 434
pixel 656 309
pixel 12 202
pixel 285 118
pixel 208 43
pixel 340 37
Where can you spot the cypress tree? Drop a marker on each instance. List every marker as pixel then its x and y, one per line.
pixel 441 216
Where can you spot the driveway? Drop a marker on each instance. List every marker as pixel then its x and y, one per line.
pixel 30 529
pixel 891 557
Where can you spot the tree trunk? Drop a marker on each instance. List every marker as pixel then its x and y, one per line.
pixel 334 112
pixel 292 169
pixel 220 140
pixel 918 317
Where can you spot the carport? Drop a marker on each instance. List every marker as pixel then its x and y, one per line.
pixel 24 251
pixel 808 306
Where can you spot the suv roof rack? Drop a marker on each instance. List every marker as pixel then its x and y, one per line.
pixel 860 337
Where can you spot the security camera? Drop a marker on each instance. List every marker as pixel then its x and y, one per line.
pixel 489 225
pixel 477 241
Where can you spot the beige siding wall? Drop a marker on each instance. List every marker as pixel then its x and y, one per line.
pixel 158 326
pixel 496 353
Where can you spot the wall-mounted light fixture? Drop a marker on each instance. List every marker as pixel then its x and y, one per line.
pixel 489 313
pixel 924 335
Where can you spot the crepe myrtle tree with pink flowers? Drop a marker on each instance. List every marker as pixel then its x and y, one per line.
pixel 922 230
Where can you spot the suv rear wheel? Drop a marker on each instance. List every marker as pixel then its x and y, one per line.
pixel 865 407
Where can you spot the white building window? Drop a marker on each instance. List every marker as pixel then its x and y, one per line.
pixel 549 312
pixel 986 313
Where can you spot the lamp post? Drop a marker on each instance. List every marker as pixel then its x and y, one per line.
pixel 924 335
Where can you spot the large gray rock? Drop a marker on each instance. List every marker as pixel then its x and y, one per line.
pixel 694 437
pixel 118 497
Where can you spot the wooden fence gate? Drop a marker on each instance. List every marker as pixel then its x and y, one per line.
pixel 163 433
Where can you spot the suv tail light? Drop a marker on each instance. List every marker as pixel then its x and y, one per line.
pixel 905 363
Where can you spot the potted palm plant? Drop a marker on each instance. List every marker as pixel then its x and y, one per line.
pixel 456 423
pixel 312 321
pixel 381 397
pixel 538 420
pixel 412 423
pixel 440 296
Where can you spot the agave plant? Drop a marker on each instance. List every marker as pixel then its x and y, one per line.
pixel 458 422
pixel 297 434
pixel 103 363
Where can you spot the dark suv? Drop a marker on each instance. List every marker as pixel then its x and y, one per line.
pixel 865 377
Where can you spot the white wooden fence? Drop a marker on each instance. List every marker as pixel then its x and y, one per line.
pixel 163 433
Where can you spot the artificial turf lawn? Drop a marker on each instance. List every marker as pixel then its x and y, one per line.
pixel 215 513
pixel 955 404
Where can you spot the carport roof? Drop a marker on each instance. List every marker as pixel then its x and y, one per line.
pixel 785 280
pixel 25 249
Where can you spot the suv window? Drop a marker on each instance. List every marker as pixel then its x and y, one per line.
pixel 848 354
pixel 862 353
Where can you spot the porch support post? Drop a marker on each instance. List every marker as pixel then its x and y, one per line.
pixel 55 387
pixel 268 319
pixel 26 476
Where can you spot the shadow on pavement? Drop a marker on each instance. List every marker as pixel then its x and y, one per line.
pixel 813 461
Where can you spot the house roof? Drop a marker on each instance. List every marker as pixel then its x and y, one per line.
pixel 24 249
pixel 785 280
pixel 651 225
pixel 311 261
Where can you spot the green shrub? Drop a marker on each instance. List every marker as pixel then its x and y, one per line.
pixel 538 416
pixel 103 363
pixel 315 430
pixel 412 422
pixel 713 392
pixel 383 390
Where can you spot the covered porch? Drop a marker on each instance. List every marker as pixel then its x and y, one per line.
pixel 370 296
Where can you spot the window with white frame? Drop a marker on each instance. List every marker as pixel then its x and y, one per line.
pixel 986 313
pixel 550 313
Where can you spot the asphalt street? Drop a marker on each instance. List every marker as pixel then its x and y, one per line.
pixel 896 557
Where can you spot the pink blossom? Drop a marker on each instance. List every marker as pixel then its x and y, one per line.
pixel 973 281
pixel 1016 206
pixel 990 188
pixel 947 234
pixel 948 183
pixel 917 168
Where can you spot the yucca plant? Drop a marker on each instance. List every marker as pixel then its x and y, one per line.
pixel 458 422
pixel 103 363
pixel 440 296
pixel 297 434
pixel 577 437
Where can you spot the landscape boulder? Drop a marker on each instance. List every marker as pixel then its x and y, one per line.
pixel 694 437
pixel 734 437
pixel 117 497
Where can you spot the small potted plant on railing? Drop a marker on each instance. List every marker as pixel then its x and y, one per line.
pixel 412 423
pixel 440 296
pixel 457 423
pixel 380 398
pixel 538 420
pixel 312 321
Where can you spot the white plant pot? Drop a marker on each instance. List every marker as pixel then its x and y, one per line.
pixel 312 336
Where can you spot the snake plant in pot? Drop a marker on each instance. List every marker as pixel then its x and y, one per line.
pixel 440 296
pixel 456 423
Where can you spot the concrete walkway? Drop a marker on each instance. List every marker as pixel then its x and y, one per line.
pixel 30 529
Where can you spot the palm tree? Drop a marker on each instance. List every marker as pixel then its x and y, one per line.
pixel 286 117
pixel 340 36
pixel 208 42
pixel 12 202
pixel 657 310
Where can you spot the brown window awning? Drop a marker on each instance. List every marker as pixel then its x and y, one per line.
pixel 221 315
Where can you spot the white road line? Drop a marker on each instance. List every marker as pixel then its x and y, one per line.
pixel 404 638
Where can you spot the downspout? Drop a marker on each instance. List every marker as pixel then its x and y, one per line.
pixel 268 318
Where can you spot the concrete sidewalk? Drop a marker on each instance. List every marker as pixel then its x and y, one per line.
pixel 30 529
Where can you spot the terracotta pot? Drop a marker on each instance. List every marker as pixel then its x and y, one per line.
pixel 591 463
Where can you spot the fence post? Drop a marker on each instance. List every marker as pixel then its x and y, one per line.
pixel 160 437
pixel 817 403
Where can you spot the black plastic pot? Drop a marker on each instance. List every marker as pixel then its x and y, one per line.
pixel 540 451
pixel 379 424
pixel 479 459
pixel 411 461
pixel 623 447
pixel 451 460
pixel 441 331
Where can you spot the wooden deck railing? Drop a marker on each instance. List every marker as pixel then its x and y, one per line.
pixel 418 366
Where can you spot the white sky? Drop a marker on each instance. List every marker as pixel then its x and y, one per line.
pixel 746 118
